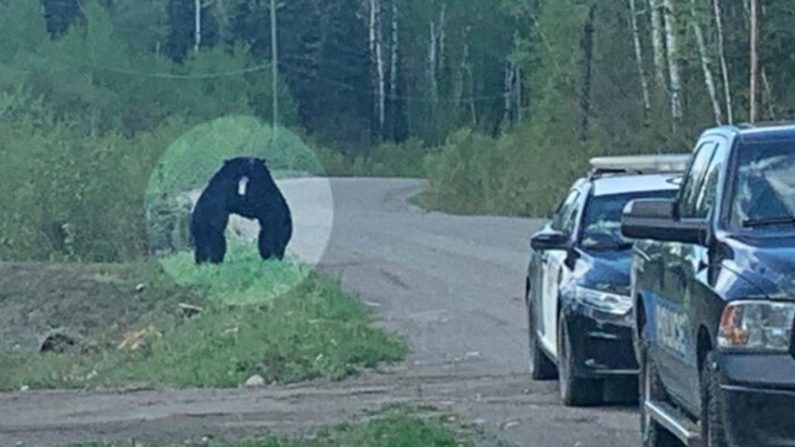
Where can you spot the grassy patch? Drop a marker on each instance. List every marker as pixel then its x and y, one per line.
pixel 242 279
pixel 294 325
pixel 398 427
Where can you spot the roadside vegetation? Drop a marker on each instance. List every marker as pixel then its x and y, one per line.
pixel 393 427
pixel 274 320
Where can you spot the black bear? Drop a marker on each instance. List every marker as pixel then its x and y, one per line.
pixel 211 214
pixel 263 201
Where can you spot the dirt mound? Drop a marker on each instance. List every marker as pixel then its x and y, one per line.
pixel 81 306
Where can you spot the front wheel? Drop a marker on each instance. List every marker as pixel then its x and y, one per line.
pixel 574 391
pixel 712 431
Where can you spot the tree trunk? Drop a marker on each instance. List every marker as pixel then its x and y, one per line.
pixel 657 44
pixel 197 26
pixel 756 77
pixel 508 90
pixel 518 92
pixel 432 63
pixel 377 54
pixel 673 60
pixel 644 83
pixel 724 67
pixel 274 70
pixel 586 43
pixel 442 38
pixel 394 64
pixel 706 63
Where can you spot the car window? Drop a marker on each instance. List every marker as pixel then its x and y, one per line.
pixel 601 220
pixel 764 190
pixel 705 199
pixel 564 218
pixel 691 188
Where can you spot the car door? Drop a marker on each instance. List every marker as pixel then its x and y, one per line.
pixel 693 266
pixel 670 311
pixel 553 269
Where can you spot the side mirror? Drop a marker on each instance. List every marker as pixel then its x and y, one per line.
pixel 657 219
pixel 553 240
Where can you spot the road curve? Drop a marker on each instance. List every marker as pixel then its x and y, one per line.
pixel 452 285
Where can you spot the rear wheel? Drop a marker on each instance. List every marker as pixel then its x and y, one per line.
pixel 574 391
pixel 651 390
pixel 541 368
pixel 712 431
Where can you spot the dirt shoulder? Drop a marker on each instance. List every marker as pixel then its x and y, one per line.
pixel 91 303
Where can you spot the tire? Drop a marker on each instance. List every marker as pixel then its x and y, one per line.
pixel 712 429
pixel 541 368
pixel 574 391
pixel 651 388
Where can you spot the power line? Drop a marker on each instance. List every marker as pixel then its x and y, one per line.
pixel 310 73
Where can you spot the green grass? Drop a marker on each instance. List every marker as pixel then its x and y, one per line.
pixel 242 279
pixel 397 427
pixel 295 325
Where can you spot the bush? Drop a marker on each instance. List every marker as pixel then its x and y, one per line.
pixel 518 174
pixel 385 160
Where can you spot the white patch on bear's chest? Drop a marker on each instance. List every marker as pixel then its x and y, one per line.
pixel 242 186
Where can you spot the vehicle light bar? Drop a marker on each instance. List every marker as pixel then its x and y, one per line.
pixel 640 164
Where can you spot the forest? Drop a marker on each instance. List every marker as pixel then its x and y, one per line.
pixel 499 103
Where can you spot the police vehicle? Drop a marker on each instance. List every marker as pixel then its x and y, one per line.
pixel 713 283
pixel 577 285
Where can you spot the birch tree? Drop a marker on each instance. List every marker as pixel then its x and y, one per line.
pixel 706 63
pixel 724 67
pixel 197 25
pixel 756 77
pixel 672 47
pixel 376 51
pixel 644 83
pixel 657 43
pixel 394 63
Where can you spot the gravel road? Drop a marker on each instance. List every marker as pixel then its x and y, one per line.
pixel 452 285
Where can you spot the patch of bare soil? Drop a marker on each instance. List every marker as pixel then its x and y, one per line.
pixel 81 305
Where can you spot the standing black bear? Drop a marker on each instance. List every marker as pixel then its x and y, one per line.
pixel 211 214
pixel 262 201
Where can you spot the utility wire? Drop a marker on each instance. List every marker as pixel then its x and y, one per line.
pixel 310 73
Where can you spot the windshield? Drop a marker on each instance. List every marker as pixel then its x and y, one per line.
pixel 764 192
pixel 602 218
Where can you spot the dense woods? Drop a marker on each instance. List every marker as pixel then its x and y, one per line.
pixel 498 103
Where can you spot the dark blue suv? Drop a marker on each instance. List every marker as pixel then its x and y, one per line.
pixel 713 283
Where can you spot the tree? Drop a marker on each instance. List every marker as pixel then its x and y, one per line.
pixel 756 75
pixel 706 63
pixel 644 83
pixel 674 71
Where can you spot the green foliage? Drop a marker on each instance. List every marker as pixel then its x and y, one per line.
pixel 195 156
pixel 385 160
pixel 301 327
pixel 67 196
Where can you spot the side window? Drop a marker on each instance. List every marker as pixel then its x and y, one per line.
pixel 570 219
pixel 690 189
pixel 709 189
pixel 560 222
